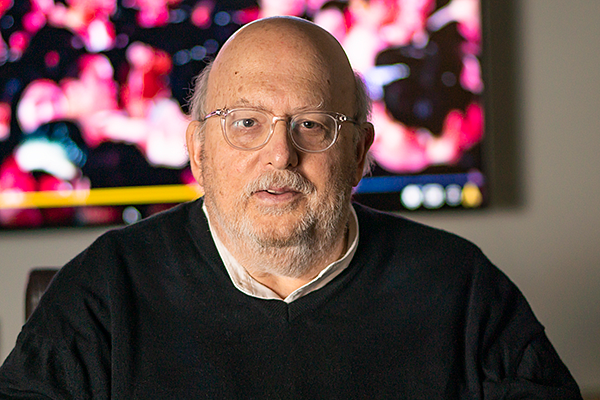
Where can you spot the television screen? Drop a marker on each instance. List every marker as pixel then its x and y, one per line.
pixel 93 101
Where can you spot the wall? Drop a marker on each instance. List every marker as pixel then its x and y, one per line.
pixel 546 236
pixel 544 232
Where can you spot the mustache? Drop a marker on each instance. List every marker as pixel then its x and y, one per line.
pixel 280 179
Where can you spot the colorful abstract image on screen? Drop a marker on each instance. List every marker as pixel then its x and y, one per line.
pixel 93 101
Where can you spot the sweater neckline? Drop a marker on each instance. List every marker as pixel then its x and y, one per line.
pixel 198 229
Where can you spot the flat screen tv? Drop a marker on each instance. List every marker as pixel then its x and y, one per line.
pixel 93 101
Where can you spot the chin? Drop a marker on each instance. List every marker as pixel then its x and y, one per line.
pixel 281 233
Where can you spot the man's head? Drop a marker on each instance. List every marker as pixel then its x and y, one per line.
pixel 280 209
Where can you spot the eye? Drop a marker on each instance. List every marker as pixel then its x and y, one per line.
pixel 244 123
pixel 309 125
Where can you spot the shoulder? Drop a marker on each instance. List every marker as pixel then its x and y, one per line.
pixel 151 247
pixel 451 278
pixel 177 218
pixel 397 224
pixel 125 259
pixel 434 263
pixel 397 235
pixel 172 227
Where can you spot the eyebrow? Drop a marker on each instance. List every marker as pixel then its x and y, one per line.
pixel 245 103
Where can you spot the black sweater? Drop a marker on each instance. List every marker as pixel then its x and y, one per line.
pixel 149 311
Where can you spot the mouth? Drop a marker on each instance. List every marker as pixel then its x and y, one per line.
pixel 279 191
pixel 277 194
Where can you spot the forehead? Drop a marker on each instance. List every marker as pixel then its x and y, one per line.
pixel 278 70
pixel 273 90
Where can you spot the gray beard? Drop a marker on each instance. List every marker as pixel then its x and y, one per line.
pixel 310 243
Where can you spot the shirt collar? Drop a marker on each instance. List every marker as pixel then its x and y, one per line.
pixel 242 280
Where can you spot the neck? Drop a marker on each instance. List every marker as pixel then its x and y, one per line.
pixel 283 269
pixel 285 285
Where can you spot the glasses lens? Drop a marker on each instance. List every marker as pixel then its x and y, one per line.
pixel 313 131
pixel 247 128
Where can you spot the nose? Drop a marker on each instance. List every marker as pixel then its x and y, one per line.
pixel 280 152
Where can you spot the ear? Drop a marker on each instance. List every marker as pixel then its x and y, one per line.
pixel 194 148
pixel 362 148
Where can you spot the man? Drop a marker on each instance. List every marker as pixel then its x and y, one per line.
pixel 275 285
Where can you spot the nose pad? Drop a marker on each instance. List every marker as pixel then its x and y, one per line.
pixel 280 152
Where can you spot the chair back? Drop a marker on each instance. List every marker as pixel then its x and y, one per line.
pixel 39 279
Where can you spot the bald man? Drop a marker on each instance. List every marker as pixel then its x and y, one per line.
pixel 275 285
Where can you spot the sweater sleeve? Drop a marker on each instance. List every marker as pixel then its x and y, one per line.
pixel 517 359
pixel 540 374
pixel 63 351
pixel 40 368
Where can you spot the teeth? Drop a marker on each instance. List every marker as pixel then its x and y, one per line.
pixel 272 191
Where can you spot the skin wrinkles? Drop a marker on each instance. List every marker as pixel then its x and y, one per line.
pixel 282 213
pixel 245 103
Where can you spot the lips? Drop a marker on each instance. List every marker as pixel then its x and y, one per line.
pixel 276 195
pixel 278 184
pixel 278 191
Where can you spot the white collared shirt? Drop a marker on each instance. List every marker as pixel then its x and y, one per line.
pixel 247 284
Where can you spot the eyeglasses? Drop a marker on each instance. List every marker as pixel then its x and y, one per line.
pixel 251 129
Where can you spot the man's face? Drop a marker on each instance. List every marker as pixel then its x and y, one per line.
pixel 277 198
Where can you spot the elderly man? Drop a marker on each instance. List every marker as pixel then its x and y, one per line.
pixel 276 285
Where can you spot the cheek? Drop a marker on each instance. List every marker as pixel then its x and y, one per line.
pixel 325 171
pixel 237 166
pixel 230 170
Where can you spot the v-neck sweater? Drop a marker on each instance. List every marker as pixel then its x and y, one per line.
pixel 148 311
